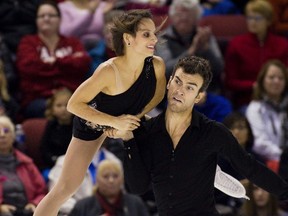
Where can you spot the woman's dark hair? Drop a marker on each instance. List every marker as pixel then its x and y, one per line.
pixel 127 23
pixel 259 90
pixel 51 3
pixel 236 116
pixel 196 65
pixel 250 208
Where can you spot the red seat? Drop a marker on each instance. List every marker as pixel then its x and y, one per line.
pixel 34 129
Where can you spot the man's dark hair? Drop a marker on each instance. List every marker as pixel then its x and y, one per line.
pixel 195 65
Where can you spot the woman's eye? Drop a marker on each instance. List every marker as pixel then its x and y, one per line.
pixel 146 34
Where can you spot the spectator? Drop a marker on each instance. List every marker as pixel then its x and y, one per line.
pixel 215 107
pixel 9 68
pixel 22 186
pixel 267 112
pixel 104 48
pixel 246 53
pixel 86 188
pixel 84 19
pixel 261 203
pixel 183 37
pixel 109 197
pixel 47 61
pixel 8 104
pixel 58 131
pixel 238 124
pixel 17 19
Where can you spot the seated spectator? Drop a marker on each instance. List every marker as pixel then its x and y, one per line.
pixel 58 131
pixel 238 124
pixel 246 54
pixel 261 203
pixel 47 61
pixel 215 107
pixel 267 112
pixel 219 7
pixel 86 188
pixel 183 37
pixel 9 68
pixel 103 50
pixel 109 197
pixel 22 186
pixel 84 19
pixel 17 19
pixel 8 105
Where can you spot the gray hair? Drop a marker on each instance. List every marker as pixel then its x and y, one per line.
pixel 187 4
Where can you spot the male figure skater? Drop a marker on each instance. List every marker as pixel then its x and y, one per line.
pixel 177 151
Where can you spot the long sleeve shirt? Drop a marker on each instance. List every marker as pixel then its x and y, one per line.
pixel 37 78
pixel 82 23
pixel 183 177
pixel 244 58
pixel 32 180
pixel 266 125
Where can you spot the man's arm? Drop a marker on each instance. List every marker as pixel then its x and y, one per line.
pixel 249 167
pixel 136 158
pixel 135 170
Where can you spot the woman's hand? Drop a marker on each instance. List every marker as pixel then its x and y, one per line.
pixel 4 208
pixel 126 122
pixel 30 207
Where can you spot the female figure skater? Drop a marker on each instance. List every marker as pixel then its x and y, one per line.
pixel 117 95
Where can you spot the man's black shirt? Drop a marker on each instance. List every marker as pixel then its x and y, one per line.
pixel 183 178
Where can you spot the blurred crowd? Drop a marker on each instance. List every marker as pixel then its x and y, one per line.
pixel 48 48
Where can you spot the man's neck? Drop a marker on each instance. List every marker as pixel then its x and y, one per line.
pixel 177 124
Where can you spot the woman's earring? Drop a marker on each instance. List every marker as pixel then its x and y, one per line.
pixel 128 44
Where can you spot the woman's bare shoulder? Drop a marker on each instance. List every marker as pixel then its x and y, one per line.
pixel 159 65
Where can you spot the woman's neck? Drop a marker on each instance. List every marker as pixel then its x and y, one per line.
pixel 50 40
pixel 6 151
pixel 261 36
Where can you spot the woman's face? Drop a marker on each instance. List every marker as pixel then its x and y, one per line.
pixel 60 108
pixel 261 196
pixel 7 138
pixel 145 40
pixel 240 132
pixel 274 82
pixel 257 23
pixel 110 181
pixel 48 19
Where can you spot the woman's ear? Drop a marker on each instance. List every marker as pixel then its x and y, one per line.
pixel 127 38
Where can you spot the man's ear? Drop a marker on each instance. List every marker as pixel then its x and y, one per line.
pixel 169 81
pixel 199 97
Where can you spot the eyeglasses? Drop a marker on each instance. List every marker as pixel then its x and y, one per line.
pixel 255 18
pixel 42 16
pixel 4 130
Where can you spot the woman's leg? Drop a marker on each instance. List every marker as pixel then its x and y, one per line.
pixel 77 159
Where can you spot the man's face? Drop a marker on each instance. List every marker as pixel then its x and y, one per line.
pixel 183 91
